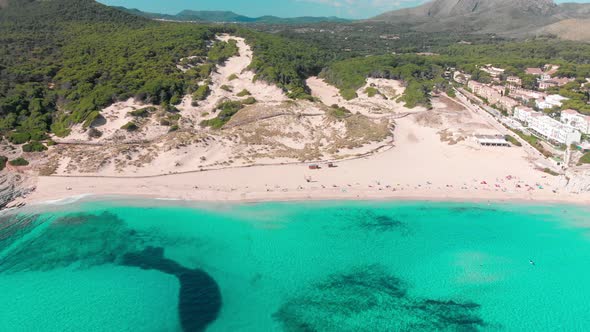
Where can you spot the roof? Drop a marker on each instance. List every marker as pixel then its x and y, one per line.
pixel 526 109
pixel 570 111
pixel 534 71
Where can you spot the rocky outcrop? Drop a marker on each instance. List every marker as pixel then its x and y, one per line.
pixel 13 186
pixel 578 181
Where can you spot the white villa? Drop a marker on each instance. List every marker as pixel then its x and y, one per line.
pixel 579 121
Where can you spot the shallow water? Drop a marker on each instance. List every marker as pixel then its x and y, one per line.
pixel 330 266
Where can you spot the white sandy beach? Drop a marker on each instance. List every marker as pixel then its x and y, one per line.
pixel 420 166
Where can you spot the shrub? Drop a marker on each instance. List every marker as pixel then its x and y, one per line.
pixel 19 138
pixel 3 161
pixel 372 92
pixel 585 158
pixel 174 117
pixel 202 92
pixel 226 88
pixel 130 126
pixel 227 110
pixel 232 77
pixel 173 128
pixel 244 93
pixel 142 112
pixel 339 112
pixel 348 94
pixel 91 118
pixel 249 101
pixel 299 93
pixel 175 100
pixel 169 108
pixel 513 140
pixel 20 161
pixel 34 146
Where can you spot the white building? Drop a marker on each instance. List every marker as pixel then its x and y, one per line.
pixel 493 71
pixel 579 121
pixel 547 127
pixel 550 101
pixel 524 114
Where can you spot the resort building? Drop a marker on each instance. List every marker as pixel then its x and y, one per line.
pixel 554 130
pixel 524 114
pixel 550 101
pixel 514 80
pixel 554 82
pixel 579 121
pixel 547 127
pixel 524 94
pixel 493 71
pixel 507 104
pixel 491 93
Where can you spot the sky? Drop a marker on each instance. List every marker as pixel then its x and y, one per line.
pixel 283 8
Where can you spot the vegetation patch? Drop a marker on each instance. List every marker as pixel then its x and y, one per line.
pixel 130 126
pixel 142 112
pixel 232 77
pixel 339 112
pixel 513 140
pixel 226 88
pixel 221 51
pixel 249 101
pixel 202 92
pixel 372 91
pixel 585 158
pixel 3 161
pixel 243 93
pixel 226 111
pixel 20 161
pixel 34 147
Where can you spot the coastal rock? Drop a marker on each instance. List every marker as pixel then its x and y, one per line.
pixel 579 182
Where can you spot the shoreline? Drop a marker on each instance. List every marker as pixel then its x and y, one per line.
pixel 307 197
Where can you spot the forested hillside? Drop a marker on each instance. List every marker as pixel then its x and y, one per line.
pixel 62 61
pixel 422 73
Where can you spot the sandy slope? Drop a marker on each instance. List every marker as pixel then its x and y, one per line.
pixel 382 104
pixel 423 165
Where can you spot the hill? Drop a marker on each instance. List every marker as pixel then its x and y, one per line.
pixel 514 18
pixel 63 61
pixel 230 17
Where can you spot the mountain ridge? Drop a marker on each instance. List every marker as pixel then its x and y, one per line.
pixel 503 17
pixel 229 17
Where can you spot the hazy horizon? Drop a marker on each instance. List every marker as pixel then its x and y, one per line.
pixel 353 9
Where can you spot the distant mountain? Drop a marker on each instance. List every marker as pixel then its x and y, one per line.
pixel 229 17
pixel 503 17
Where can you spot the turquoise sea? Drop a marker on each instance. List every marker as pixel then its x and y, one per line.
pixel 131 265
